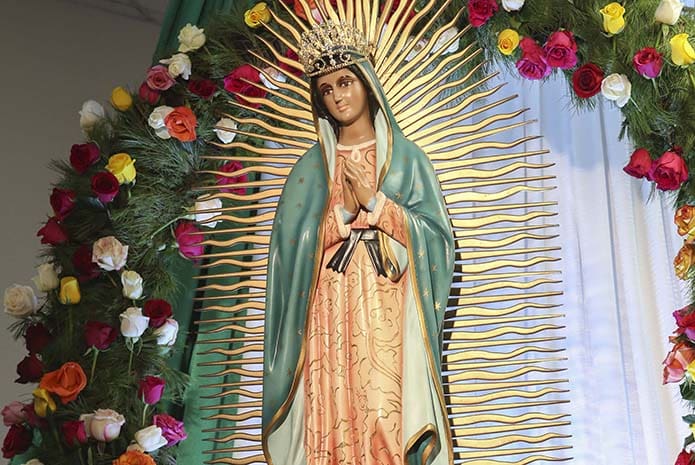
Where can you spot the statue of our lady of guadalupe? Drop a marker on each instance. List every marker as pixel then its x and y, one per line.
pixel 360 265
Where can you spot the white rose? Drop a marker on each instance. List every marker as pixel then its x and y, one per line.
pixel 273 73
pixel 512 5
pixel 166 334
pixel 179 65
pixel 156 121
pixel 668 12
pixel 20 301
pixel 690 448
pixel 90 114
pixel 200 205
pixel 227 134
pixel 47 279
pixel 416 49
pixel 133 322
pixel 132 285
pixel 150 438
pixel 191 38
pixel 104 425
pixel 34 462
pixel 444 38
pixel 617 87
pixel 109 254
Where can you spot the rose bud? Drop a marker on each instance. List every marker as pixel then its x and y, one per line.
pixel 158 311
pixel 69 291
pixel 147 94
pixel 151 389
pixel 132 284
pixel 82 156
pixel 150 438
pixel 47 278
pixel 43 402
pixel 133 323
pixel 30 370
pixel 17 441
pixel 640 163
pixel 166 334
pixel 62 202
pixel 104 425
pixel 204 88
pixel 189 243
pixel 13 413
pixel 53 233
pixel 669 172
pixel 99 335
pixel 37 338
pixel 105 186
pixel 74 433
pixel 109 253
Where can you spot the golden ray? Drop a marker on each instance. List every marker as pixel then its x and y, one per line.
pixel 500 452
pixel 455 346
pixel 299 89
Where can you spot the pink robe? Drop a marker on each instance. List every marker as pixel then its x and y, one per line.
pixel 354 357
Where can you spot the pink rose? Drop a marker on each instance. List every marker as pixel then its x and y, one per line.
pixel 151 389
pixel 172 429
pixel 648 62
pixel 668 172
pixel 533 63
pixel 561 50
pixel 241 82
pixel 639 164
pixel 231 167
pixel 676 362
pixel 189 242
pixel 685 320
pixel 480 11
pixel 158 78
pixel 13 413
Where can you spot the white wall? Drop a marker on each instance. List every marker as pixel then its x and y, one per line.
pixel 55 56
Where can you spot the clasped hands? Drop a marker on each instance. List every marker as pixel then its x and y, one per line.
pixel 357 190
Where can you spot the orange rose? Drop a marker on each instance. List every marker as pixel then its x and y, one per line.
pixel 684 220
pixel 684 260
pixel 677 362
pixel 66 382
pixel 181 124
pixel 134 457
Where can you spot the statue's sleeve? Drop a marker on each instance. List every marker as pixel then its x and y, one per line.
pixel 388 217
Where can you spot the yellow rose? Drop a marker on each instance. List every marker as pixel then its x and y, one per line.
pixel 685 220
pixel 508 41
pixel 691 370
pixel 257 15
pixel 613 21
pixel 682 52
pixel 684 260
pixel 121 99
pixel 123 167
pixel 69 291
pixel 43 402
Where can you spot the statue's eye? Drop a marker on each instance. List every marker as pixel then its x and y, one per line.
pixel 326 91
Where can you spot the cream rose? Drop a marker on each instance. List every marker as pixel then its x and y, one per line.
pixel 512 5
pixel 47 279
pixel 104 425
pixel 20 301
pixel 444 38
pixel 150 438
pixel 90 114
pixel 668 11
pixel 191 38
pixel 617 87
pixel 156 121
pixel 133 322
pixel 225 129
pixel 179 65
pixel 212 204
pixel 166 334
pixel 109 254
pixel 132 285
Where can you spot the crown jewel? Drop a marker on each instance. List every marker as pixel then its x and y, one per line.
pixel 330 46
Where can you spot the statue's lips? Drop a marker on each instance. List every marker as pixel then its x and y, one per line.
pixel 343 108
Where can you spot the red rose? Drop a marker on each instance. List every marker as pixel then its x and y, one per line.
pixel 685 320
pixel 17 441
pixel 82 156
pixel 480 11
pixel 172 429
pixel 147 94
pixel 533 63
pixel 74 433
pixel 669 171
pixel 639 164
pixel 99 335
pixel 586 81
pixel 230 167
pixel 37 337
pixel 202 87
pixel 181 123
pixel 561 50
pixel 105 186
pixel 158 78
pixel 33 419
pixel 151 389
pixel 189 243
pixel 52 233
pixel 289 53
pixel 240 81
pixel 684 458
pixel 158 310
pixel 62 201
pixel 648 62
pixel 85 267
pixel 30 370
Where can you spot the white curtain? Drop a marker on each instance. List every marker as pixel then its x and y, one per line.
pixel 619 286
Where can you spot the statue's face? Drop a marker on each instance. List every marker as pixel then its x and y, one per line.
pixel 344 96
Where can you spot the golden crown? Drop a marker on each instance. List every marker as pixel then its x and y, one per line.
pixel 331 46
